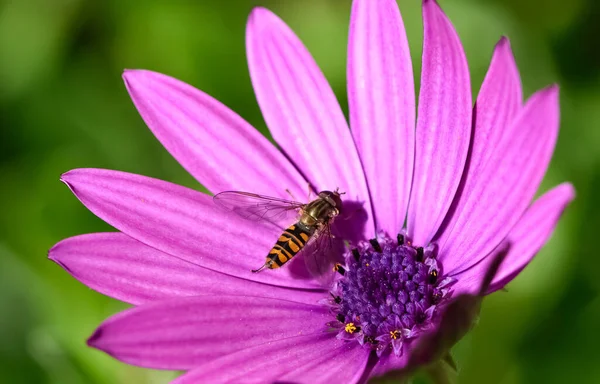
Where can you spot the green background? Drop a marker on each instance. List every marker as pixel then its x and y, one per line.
pixel 63 106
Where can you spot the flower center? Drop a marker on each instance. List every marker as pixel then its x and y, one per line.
pixel 388 293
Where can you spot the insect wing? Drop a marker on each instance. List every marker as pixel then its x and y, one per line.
pixel 251 206
pixel 321 254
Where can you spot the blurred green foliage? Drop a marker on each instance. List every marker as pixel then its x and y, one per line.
pixel 63 106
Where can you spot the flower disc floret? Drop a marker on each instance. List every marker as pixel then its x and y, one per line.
pixel 389 293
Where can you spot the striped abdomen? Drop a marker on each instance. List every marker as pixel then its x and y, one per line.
pixel 291 241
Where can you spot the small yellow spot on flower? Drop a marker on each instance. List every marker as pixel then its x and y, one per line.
pixel 395 334
pixel 339 269
pixel 350 328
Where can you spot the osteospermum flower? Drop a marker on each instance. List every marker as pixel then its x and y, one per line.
pixel 463 179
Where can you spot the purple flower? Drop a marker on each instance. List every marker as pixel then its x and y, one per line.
pixel 464 179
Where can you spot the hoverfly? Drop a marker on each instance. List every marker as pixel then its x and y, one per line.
pixel 310 226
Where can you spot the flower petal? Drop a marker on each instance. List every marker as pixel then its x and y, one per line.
pixel 300 359
pixel 458 317
pixel 219 148
pixel 532 231
pixel 302 112
pixel 505 187
pixel 470 282
pixel 183 223
pixel 390 362
pixel 119 266
pixel 381 98
pixel 498 102
pixel 526 238
pixel 443 126
pixel 186 332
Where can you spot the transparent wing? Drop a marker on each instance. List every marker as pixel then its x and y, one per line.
pixel 321 253
pixel 252 206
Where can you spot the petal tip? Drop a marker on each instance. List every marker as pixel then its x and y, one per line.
pixel 70 177
pixel 131 76
pixel 65 177
pixel 133 71
pixel 551 90
pixel 52 254
pixel 258 20
pixel 430 3
pixel 547 95
pixel 55 258
pixel 569 191
pixel 94 340
pixel 552 94
pixel 260 14
pixel 504 42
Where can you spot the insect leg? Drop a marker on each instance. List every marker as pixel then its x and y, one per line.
pixel 310 192
pixel 291 194
pixel 265 265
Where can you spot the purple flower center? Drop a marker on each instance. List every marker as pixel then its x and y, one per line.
pixel 388 293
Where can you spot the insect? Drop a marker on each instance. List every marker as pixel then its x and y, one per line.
pixel 311 222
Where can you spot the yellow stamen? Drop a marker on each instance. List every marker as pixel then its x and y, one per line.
pixel 350 328
pixel 395 334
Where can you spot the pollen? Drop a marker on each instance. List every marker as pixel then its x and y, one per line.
pixel 395 334
pixel 432 278
pixel 350 328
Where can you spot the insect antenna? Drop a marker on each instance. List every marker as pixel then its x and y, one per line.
pixel 260 269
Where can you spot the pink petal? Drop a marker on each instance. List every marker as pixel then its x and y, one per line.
pixel 183 223
pixel 186 332
pixel 470 281
pixel 302 112
pixel 443 125
pixel 532 231
pixel 525 239
pixel 504 188
pixel 382 106
pixel 391 362
pixel 458 317
pixel 300 359
pixel 499 100
pixel 219 148
pixel 118 266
